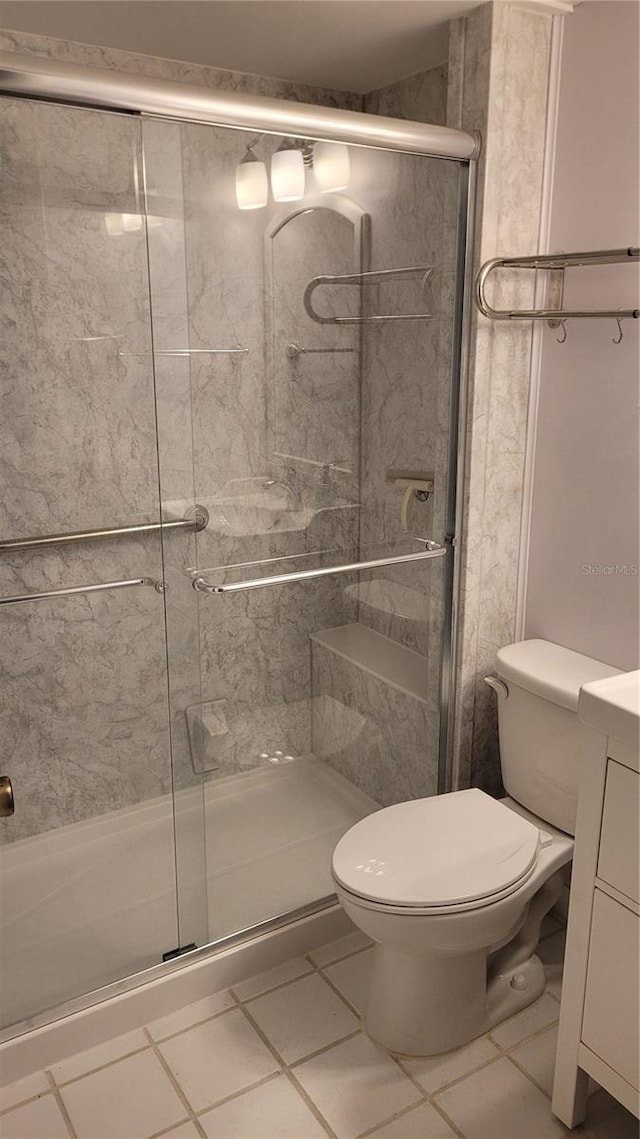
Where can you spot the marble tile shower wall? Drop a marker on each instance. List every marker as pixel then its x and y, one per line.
pixel 219 423
pixel 382 739
pixel 84 713
pixel 250 411
pixel 407 381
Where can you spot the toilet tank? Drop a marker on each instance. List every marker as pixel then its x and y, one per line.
pixel 543 745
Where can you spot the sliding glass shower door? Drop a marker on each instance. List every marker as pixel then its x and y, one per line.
pixel 88 884
pixel 227 446
pixel 310 350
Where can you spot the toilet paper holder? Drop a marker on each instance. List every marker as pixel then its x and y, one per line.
pixel 416 484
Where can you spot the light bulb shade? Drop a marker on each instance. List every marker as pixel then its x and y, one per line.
pixel 331 166
pixel 287 175
pixel 252 187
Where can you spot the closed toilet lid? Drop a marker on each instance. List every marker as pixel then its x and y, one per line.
pixel 442 851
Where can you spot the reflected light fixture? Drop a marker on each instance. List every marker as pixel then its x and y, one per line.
pixel 287 172
pixel 118 224
pixel 252 187
pixel 331 166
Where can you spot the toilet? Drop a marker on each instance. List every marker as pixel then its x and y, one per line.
pixel 453 889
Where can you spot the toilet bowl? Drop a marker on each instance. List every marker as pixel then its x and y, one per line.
pixel 429 989
pixel 453 889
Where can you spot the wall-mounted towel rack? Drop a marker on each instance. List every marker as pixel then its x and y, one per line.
pixel 375 277
pixel 198 521
pixel 560 262
pixel 157 585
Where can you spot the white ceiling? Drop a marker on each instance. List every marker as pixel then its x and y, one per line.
pixel 349 45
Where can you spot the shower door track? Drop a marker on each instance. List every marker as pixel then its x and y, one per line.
pixel 98 89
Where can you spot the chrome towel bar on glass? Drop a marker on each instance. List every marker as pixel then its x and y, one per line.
pixel 199 521
pixel 557 261
pixel 157 585
pixel 204 586
pixel 375 277
pixel 238 350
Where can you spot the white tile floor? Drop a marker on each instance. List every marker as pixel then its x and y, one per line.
pixel 283 1056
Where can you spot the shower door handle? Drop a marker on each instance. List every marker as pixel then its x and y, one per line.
pixel 7 802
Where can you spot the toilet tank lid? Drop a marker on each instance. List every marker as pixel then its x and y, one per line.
pixel 550 671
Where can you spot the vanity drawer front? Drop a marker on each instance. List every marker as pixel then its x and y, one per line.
pixel 610 1023
pixel 618 858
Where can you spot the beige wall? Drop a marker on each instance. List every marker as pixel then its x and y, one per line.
pixel 584 544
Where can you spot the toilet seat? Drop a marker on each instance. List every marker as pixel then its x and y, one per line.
pixel 450 852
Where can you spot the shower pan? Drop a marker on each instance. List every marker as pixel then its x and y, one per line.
pixel 253 413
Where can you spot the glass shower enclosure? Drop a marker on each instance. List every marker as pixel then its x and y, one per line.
pixel 229 452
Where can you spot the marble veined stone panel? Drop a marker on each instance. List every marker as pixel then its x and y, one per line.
pixel 383 739
pixel 85 716
pixel 78 431
pixel 84 711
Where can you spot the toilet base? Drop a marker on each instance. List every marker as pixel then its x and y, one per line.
pixel 510 992
pixel 416 1012
pixel 419 1011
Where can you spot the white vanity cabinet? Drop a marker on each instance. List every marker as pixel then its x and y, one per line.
pixel 600 1011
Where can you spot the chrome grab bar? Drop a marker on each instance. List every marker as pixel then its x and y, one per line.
pixel 371 278
pixel 199 522
pixel 553 261
pixel 157 585
pixel 203 586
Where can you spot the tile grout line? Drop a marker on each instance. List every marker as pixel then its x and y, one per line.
pixel 524 1072
pixel 306 1098
pixel 423 1096
pixel 172 1127
pixel 273 989
pixel 384 1122
pixel 99 1068
pixel 525 1039
pixel 352 1008
pixel 61 1104
pixel 196 1023
pixel 291 1074
pixel 371 1131
pixel 337 960
pixel 452 1083
pixel 295 1064
pixel 191 1115
pixel 24 1102
pixel 447 1118
pixel 237 1095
